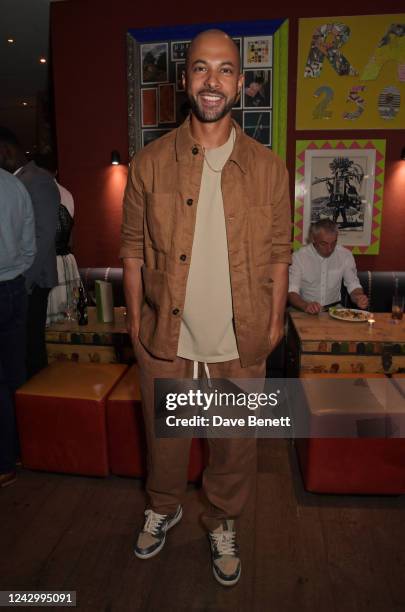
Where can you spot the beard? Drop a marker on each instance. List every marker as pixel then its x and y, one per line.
pixel 210 116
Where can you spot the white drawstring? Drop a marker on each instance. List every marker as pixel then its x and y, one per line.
pixel 207 372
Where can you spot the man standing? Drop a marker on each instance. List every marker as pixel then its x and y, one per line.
pixel 42 275
pixel 17 252
pixel 318 269
pixel 205 247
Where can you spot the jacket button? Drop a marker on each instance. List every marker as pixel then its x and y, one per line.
pixel 190 202
pixel 175 311
pixel 183 257
pixel 194 150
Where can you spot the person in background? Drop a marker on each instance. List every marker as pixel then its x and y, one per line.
pixel 207 218
pixel 42 275
pixel 62 298
pixel 317 271
pixel 17 253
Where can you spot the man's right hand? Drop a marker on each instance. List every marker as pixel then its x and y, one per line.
pixel 313 308
pixel 132 282
pixel 132 323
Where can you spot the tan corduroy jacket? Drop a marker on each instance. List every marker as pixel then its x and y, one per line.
pixel 160 206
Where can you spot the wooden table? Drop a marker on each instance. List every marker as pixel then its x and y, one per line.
pixel 321 344
pixel 94 342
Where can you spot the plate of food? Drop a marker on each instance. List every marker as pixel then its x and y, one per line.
pixel 349 314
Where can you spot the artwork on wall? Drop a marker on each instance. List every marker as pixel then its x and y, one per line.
pixel 341 180
pixel 257 89
pixel 353 70
pixel 157 101
pixel 258 51
pixel 154 63
pixel 149 106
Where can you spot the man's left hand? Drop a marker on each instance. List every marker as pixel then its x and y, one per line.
pixel 276 335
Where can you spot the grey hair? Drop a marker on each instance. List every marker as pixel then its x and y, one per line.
pixel 324 224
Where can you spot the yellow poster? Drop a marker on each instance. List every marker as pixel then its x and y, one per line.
pixel 351 73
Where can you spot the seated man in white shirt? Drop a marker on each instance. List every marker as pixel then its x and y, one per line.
pixel 317 271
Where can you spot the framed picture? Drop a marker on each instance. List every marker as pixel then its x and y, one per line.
pixel 154 63
pixel 257 89
pixel 149 107
pixel 167 103
pixel 257 124
pixel 157 100
pixel 258 51
pixel 180 68
pixel 179 50
pixel 238 43
pixel 351 73
pixel 341 180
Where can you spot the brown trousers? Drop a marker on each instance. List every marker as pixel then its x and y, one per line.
pixel 231 472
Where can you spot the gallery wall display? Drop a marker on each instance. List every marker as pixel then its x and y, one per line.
pixel 351 73
pixel 157 101
pixel 341 180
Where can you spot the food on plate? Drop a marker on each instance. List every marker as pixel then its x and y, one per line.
pixel 349 314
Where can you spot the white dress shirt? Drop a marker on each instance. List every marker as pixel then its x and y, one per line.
pixel 318 279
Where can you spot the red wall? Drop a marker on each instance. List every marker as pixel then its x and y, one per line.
pixel 89 60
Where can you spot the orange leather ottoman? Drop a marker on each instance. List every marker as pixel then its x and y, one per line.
pixel 351 465
pixel 126 437
pixel 61 416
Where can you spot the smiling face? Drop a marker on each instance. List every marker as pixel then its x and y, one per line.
pixel 212 80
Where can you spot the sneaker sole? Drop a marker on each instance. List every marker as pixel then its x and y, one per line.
pixel 226 582
pixel 172 523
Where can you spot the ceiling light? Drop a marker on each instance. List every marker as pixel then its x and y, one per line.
pixel 42 60
pixel 10 40
pixel 24 103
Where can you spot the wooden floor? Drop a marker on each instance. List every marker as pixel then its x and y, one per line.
pixel 300 551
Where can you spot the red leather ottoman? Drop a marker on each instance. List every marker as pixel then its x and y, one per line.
pixel 125 430
pixel 61 416
pixel 352 465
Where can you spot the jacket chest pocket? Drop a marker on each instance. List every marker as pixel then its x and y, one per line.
pixel 159 218
pixel 260 221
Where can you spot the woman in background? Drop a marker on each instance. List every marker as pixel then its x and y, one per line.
pixel 62 298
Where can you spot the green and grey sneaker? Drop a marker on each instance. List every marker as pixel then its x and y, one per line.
pixel 226 564
pixel 153 535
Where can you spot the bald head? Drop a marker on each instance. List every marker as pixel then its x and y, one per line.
pixel 212 78
pixel 213 38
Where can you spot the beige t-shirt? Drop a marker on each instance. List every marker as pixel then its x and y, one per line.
pixel 206 332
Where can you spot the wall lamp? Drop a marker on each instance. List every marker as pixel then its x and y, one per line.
pixel 115 158
pixel 403 154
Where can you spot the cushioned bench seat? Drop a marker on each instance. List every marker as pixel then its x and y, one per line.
pixel 61 415
pixel 352 465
